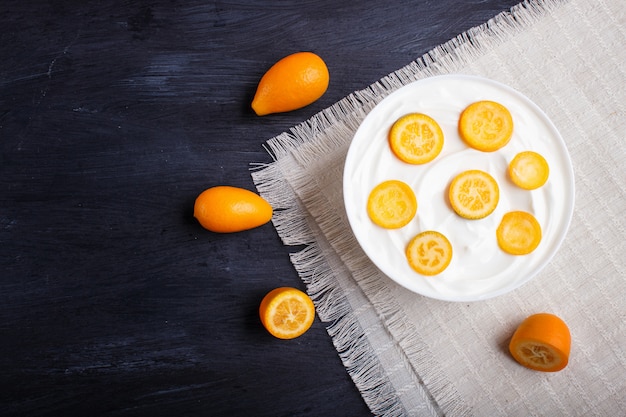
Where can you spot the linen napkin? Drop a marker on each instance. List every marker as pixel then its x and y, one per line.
pixel 414 356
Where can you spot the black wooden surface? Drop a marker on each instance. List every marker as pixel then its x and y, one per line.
pixel 113 117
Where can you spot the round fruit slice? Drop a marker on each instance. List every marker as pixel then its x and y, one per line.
pixel 287 312
pixel 416 138
pixel 542 342
pixel 429 253
pixel 486 125
pixel 529 170
pixel 392 204
pixel 519 233
pixel 474 194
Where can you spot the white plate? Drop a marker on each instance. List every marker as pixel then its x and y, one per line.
pixel 479 268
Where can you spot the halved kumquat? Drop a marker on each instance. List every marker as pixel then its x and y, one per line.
pixel 542 342
pixel 287 312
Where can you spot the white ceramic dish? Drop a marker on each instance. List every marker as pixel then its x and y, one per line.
pixel 479 269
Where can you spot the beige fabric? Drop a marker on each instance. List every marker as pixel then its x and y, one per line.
pixel 410 355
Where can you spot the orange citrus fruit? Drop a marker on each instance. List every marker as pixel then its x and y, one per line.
pixel 519 233
pixel 295 81
pixel 474 194
pixel 429 253
pixel 392 204
pixel 226 209
pixel 416 138
pixel 486 125
pixel 287 312
pixel 542 342
pixel 529 170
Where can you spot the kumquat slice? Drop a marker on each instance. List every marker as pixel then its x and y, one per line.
pixel 429 253
pixel 486 125
pixel 474 194
pixel 529 170
pixel 416 138
pixel 519 233
pixel 392 204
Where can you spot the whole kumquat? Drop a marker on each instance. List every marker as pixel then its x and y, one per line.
pixel 295 81
pixel 226 209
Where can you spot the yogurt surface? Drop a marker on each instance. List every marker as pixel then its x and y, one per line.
pixel 479 268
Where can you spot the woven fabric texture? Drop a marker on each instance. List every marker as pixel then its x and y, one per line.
pixel 411 355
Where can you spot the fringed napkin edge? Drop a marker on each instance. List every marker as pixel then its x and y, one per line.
pixel 295 226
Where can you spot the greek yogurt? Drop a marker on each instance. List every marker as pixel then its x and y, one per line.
pixel 479 268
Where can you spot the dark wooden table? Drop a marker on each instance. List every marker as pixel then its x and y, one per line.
pixel 114 116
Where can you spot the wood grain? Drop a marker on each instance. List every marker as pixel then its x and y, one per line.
pixel 113 117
